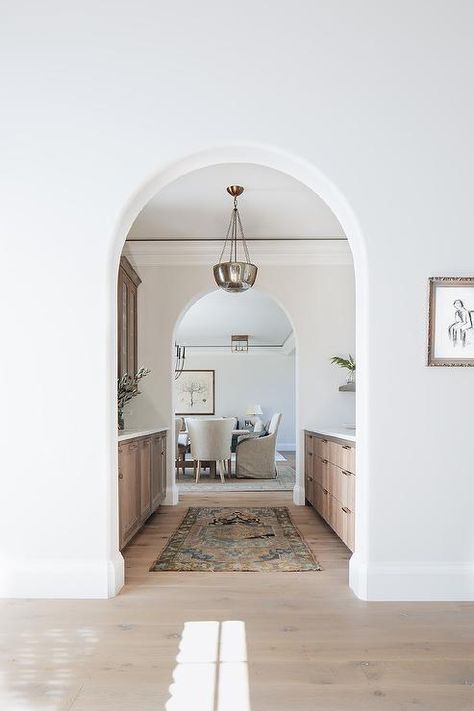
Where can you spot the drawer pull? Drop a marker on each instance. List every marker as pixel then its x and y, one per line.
pixel 325 461
pixel 310 478
pixel 346 446
pixel 345 473
pixel 345 509
pixel 325 492
pixel 310 454
pixel 324 440
pixel 120 475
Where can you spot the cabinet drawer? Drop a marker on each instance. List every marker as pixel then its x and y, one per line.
pixel 309 491
pixel 342 455
pixel 335 519
pixel 321 475
pixel 309 487
pixel 341 519
pixel 309 442
pixel 348 527
pixel 341 484
pixel 324 501
pixel 320 447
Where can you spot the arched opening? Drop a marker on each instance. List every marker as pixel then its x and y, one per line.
pixel 250 384
pixel 309 177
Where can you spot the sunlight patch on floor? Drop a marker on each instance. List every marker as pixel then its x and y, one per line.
pixel 212 670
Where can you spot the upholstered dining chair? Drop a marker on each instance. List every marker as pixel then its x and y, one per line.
pixel 255 456
pixel 210 442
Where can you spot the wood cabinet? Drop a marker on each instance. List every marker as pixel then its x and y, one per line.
pixel 309 467
pixel 144 448
pixel 330 482
pixel 158 469
pixel 129 490
pixel 128 283
pixel 142 481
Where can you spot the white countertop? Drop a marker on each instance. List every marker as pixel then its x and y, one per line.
pixel 130 434
pixel 336 431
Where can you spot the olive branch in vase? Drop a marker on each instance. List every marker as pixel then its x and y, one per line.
pixel 127 388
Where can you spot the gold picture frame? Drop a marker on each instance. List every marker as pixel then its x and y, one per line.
pixel 451 322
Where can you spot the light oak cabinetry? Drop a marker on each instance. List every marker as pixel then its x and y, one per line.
pixel 129 491
pixel 144 448
pixel 142 481
pixel 158 469
pixel 128 283
pixel 330 482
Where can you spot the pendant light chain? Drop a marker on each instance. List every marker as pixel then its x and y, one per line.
pixel 235 227
pixel 229 230
pixel 238 273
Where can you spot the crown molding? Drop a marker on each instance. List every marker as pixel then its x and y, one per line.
pixel 291 252
pixel 225 352
pixel 289 346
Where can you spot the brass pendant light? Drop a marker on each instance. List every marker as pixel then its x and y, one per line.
pixel 236 274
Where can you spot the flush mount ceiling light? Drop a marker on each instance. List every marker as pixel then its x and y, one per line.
pixel 237 274
pixel 239 344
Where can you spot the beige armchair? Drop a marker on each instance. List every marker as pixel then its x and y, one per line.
pixel 255 457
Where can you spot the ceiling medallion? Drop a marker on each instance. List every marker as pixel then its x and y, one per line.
pixel 236 274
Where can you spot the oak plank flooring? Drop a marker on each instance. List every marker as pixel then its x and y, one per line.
pixel 311 644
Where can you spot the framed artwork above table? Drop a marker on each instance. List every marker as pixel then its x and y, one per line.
pixel 195 392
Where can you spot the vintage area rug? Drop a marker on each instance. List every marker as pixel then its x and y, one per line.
pixel 220 538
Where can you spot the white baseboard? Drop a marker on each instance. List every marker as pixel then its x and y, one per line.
pixel 62 578
pixel 286 447
pixel 416 582
pixel 298 495
pixel 172 496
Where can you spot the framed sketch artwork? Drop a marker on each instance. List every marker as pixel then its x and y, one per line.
pixel 194 392
pixel 451 321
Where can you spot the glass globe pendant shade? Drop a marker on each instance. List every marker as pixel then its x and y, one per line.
pixel 237 273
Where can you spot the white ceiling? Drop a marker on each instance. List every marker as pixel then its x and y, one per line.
pixel 198 206
pixel 213 319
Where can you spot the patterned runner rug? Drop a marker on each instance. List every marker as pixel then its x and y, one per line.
pixel 220 538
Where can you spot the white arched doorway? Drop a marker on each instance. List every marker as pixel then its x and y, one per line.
pixel 266 374
pixel 319 184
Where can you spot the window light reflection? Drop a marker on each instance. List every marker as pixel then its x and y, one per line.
pixel 212 670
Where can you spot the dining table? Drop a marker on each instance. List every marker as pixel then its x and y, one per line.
pixel 212 464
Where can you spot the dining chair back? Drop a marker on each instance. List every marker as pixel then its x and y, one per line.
pixel 210 442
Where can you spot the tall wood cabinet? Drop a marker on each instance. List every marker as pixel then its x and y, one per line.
pixel 330 482
pixel 142 481
pixel 128 283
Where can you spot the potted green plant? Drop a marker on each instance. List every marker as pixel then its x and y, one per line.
pixel 127 388
pixel 348 364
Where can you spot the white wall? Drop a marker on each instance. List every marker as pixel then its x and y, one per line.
pixel 242 379
pixel 372 103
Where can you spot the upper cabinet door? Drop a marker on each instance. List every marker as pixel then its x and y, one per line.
pixel 127 331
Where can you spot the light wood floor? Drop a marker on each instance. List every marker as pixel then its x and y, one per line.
pixel 311 645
